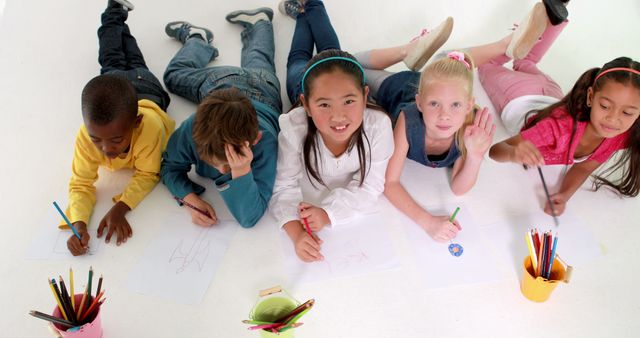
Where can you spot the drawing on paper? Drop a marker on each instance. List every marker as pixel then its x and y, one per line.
pixel 194 253
pixel 345 261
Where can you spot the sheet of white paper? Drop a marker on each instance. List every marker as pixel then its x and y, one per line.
pixel 181 260
pixel 349 249
pixel 51 242
pixel 439 267
pixel 576 244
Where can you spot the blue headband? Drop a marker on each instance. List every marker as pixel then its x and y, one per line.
pixel 329 59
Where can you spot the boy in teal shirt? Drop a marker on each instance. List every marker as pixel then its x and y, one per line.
pixel 232 138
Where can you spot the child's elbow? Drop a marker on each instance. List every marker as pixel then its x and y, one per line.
pixel 249 222
pixel 459 190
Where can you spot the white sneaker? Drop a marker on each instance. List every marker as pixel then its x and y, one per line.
pixel 528 32
pixel 428 43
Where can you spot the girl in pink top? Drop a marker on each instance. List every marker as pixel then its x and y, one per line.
pixel 587 126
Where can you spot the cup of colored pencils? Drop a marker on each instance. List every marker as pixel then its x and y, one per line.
pixel 543 268
pixel 76 316
pixel 277 314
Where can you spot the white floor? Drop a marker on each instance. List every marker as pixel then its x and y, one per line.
pixel 48 51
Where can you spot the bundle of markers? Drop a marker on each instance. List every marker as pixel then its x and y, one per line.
pixel 72 313
pixel 285 322
pixel 542 250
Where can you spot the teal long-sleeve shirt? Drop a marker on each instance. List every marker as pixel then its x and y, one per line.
pixel 247 197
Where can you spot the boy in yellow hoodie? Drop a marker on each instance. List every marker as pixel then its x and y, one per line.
pixel 125 126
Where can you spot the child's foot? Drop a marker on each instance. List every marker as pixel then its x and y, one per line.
pixel 428 43
pixel 121 3
pixel 556 11
pixel 250 17
pixel 528 32
pixel 291 8
pixel 182 31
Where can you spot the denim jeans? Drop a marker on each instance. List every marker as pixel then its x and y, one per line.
pixel 312 27
pixel 188 76
pixel 120 55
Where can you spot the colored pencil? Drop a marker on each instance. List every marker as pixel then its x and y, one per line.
pixel 290 326
pixel 52 319
pixel 532 254
pixel 549 255
pixel 206 213
pixel 95 302
pixel 73 295
pixel 99 285
pixel 67 301
pixel 55 295
pixel 545 245
pixel 95 308
pixel 84 299
pixel 308 229
pixel 256 322
pixel 298 316
pixel 553 255
pixel 455 213
pixel 75 232
pixel 540 248
pixel 295 311
pixel 265 326
pixel 536 240
pixel 546 192
pixel 90 281
pixel 63 301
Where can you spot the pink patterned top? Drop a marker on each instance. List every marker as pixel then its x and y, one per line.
pixel 552 137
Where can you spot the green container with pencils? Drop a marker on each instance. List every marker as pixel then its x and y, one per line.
pixel 92 328
pixel 276 313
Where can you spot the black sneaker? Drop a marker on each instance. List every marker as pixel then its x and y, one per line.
pixel 251 16
pixel 556 11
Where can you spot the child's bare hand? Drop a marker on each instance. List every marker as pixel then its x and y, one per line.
pixel 559 204
pixel 116 223
pixel 527 153
pixel 441 230
pixel 240 164
pixel 479 136
pixel 308 248
pixel 76 246
pixel 196 216
pixel 316 217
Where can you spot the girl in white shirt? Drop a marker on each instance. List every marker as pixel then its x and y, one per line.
pixel 335 142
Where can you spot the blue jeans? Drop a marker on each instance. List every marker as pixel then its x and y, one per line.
pixel 120 55
pixel 188 76
pixel 312 27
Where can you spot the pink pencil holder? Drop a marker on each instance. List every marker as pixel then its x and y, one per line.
pixel 93 329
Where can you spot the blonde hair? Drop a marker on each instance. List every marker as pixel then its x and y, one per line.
pixel 445 68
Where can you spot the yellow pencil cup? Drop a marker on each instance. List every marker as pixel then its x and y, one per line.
pixel 272 304
pixel 539 289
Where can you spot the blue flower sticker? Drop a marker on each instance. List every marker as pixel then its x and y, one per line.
pixel 455 249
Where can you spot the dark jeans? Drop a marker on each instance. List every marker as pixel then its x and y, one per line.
pixel 120 55
pixel 312 27
pixel 188 75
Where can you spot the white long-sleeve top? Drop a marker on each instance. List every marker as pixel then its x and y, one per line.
pixel 343 196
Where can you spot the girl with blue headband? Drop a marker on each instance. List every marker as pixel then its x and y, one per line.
pixel 331 142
